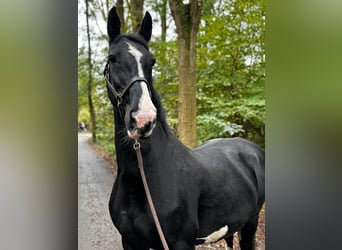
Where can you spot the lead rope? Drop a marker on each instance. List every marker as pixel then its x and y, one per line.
pixel 136 147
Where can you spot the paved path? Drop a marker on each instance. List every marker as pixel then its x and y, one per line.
pixel 95 180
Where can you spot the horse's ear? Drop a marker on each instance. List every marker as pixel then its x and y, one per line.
pixel 146 27
pixel 113 25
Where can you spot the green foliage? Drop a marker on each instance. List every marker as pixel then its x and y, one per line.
pixel 166 77
pixel 230 71
pixel 82 88
pixel 103 108
pixel 215 126
pixel 104 118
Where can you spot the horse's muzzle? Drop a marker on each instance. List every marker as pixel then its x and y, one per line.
pixel 142 118
pixel 142 132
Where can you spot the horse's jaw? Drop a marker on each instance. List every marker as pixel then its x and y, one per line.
pixel 135 133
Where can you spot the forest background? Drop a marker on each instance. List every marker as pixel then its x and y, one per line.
pixel 230 61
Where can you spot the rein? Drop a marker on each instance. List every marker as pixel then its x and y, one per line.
pixel 136 147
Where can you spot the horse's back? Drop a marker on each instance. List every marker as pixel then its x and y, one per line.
pixel 233 181
pixel 234 158
pixel 235 150
pixel 232 149
pixel 235 143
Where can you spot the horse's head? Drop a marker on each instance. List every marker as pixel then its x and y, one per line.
pixel 129 76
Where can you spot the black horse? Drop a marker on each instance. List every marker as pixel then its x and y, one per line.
pixel 201 195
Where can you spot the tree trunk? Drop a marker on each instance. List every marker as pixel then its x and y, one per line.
pixel 121 14
pixel 90 78
pixel 163 19
pixel 137 7
pixel 187 18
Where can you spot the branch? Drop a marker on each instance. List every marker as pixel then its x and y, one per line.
pixel 177 9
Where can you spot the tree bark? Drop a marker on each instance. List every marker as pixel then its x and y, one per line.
pixel 163 19
pixel 137 7
pixel 121 13
pixel 187 18
pixel 90 78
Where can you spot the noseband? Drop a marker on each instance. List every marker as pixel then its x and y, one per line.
pixel 120 96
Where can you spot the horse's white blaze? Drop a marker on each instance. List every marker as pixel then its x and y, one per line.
pixel 215 236
pixel 146 110
pixel 137 55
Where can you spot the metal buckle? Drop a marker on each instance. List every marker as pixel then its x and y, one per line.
pixel 119 100
pixel 136 145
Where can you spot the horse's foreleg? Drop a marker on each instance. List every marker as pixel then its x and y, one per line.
pixel 183 245
pixel 129 245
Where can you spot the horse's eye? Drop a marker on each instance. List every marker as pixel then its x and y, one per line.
pixel 112 59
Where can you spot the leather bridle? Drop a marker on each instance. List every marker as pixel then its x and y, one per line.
pixel 120 96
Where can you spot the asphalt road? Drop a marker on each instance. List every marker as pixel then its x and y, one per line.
pixel 95 180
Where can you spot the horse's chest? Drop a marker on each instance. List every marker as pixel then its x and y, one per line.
pixel 131 213
pixel 134 222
